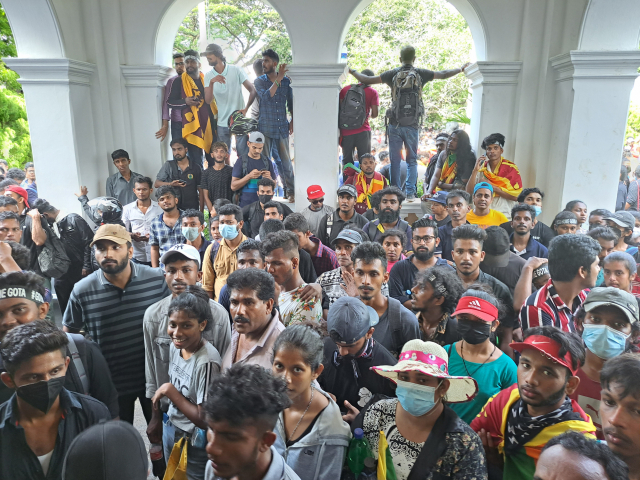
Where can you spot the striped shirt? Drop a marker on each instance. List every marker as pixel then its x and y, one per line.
pixel 545 307
pixel 114 318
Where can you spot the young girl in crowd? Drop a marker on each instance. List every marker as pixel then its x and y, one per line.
pixel 192 362
pixel 311 435
pixel 214 229
pixel 476 355
pixel 410 422
pixel 565 222
pixel 580 209
pixel 393 242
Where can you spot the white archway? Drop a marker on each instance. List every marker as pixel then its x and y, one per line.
pixel 35 28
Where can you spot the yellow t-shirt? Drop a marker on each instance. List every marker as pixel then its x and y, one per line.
pixel 493 218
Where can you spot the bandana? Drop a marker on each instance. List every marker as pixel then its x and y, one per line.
pixel 522 427
pixel 366 354
pixel 567 221
pixel 21 292
pixel 192 57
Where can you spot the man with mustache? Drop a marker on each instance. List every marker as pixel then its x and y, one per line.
pixel 181 263
pixel 520 419
pixel 458 202
pixel 256 322
pixel 333 223
pixel 397 324
pixel 523 218
pixel 389 216
pixel 109 305
pixel 424 241
pixel 483 215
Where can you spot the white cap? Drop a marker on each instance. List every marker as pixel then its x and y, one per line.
pixel 256 137
pixel 188 251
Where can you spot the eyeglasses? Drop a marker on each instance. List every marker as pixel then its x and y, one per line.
pixel 425 239
pixel 316 202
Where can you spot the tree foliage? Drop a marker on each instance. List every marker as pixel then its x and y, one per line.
pixel 442 41
pixel 15 141
pixel 633 122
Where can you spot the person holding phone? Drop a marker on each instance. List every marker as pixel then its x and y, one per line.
pixel 184 175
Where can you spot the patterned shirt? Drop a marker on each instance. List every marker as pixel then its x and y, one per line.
pixel 164 236
pixel 217 183
pixel 273 110
pixel 545 307
pixel 334 287
pixel 293 310
pixel 325 259
pixel 462 459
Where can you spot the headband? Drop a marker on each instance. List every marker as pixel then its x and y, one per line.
pixel 21 292
pixel 480 185
pixel 191 57
pixel 496 142
pixel 567 221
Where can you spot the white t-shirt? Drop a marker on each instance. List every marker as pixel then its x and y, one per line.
pixel 293 310
pixel 228 95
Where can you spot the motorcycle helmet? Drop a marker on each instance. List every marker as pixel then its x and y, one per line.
pixel 240 125
pixel 105 210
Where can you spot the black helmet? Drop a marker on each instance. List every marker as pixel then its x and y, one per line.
pixel 106 210
pixel 241 125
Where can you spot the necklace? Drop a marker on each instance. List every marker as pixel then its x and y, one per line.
pixel 465 363
pixel 305 412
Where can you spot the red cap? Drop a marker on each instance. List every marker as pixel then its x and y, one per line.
pixel 314 192
pixel 546 346
pixel 20 191
pixel 478 308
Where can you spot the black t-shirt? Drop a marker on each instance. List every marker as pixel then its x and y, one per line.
pixel 217 183
pixel 387 79
pixel 540 232
pixel 509 274
pixel 192 175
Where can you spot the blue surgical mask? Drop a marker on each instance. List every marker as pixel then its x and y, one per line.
pixel 190 233
pixel 538 210
pixel 416 400
pixel 228 232
pixel 604 341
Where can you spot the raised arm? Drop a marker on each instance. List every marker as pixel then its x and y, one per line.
pixel 444 74
pixel 366 79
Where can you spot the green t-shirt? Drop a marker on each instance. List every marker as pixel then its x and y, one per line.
pixel 492 377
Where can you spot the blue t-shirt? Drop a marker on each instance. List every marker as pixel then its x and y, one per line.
pixel 492 377
pixel 250 190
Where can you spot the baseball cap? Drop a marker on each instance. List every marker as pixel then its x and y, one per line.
pixel 187 251
pixel 256 137
pixel 349 320
pixel 212 48
pixel 439 197
pixel 612 297
pixel 477 307
pixel 548 347
pixel 314 192
pixel 480 185
pixel 20 191
pixel 112 231
pixel 496 247
pixel 623 219
pixel 350 236
pixel 349 190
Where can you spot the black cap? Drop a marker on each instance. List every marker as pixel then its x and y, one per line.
pixel 496 247
pixel 212 48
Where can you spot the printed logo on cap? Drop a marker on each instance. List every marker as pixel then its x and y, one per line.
pixel 475 304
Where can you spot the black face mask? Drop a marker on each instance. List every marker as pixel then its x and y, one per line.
pixel 41 395
pixel 264 198
pixel 474 333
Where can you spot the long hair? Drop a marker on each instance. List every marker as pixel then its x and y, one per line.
pixel 465 156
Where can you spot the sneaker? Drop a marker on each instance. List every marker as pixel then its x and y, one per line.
pixel 292 199
pixel 411 198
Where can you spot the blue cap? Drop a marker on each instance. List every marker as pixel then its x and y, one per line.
pixel 349 320
pixel 480 185
pixel 439 197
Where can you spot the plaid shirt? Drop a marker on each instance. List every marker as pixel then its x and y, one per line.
pixel 325 259
pixel 545 307
pixel 273 110
pixel 164 236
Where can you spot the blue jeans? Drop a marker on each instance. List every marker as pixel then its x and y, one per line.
pixel 285 168
pixel 196 457
pixel 409 137
pixel 224 135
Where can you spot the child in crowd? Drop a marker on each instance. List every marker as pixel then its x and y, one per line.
pixel 393 242
pixel 565 222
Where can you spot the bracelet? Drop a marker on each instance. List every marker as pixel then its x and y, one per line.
pixel 276 82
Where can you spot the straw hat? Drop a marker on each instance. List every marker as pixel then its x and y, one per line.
pixel 431 359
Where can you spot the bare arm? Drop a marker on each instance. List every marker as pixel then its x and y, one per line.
pixel 366 79
pixel 238 183
pixel 155 256
pixel 374 111
pixel 207 200
pixel 444 74
pixel 38 235
pixel 252 95
pixel 523 287
pixel 191 411
pixel 471 183
pixel 6 260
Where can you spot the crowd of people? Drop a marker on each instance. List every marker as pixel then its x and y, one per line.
pixel 475 343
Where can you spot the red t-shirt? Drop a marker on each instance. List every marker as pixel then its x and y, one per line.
pixel 371 98
pixel 588 397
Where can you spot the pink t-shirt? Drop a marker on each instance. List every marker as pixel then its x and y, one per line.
pixel 371 98
pixel 391 264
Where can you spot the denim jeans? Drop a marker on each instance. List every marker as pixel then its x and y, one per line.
pixel 282 145
pixel 196 457
pixel 409 137
pixel 224 135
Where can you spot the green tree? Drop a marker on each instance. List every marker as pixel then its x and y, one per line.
pixel 633 122
pixel 15 142
pixel 188 33
pixel 442 41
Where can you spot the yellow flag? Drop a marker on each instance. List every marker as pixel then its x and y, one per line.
pixel 386 470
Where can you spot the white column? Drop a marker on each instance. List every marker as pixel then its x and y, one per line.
pixel 315 122
pixel 494 92
pixel 602 82
pixel 145 88
pixel 63 140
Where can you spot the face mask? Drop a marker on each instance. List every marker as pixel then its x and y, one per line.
pixel 416 400
pixel 228 232
pixel 264 198
pixel 41 395
pixel 190 233
pixel 472 332
pixel 604 341
pixel 538 210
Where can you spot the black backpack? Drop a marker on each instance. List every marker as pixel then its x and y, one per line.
pixel 353 110
pixel 406 98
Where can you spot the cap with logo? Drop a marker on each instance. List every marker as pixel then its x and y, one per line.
pixel 623 219
pixel 188 252
pixel 548 347
pixel 256 137
pixel 439 197
pixel 477 307
pixel 314 192
pixel 350 236
pixel 112 231
pixel 20 191
pixel 349 320
pixel 612 297
pixel 349 190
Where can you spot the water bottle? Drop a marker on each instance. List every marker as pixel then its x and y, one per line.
pixel 156 454
pixel 343 53
pixel 358 450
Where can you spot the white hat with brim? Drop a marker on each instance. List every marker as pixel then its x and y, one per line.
pixel 430 359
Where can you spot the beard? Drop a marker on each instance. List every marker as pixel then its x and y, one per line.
pixel 423 255
pixel 388 216
pixel 114 268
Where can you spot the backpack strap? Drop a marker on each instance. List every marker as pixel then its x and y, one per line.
pixel 403 225
pixel 214 252
pixel 76 357
pixel 371 231
pixel 395 323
